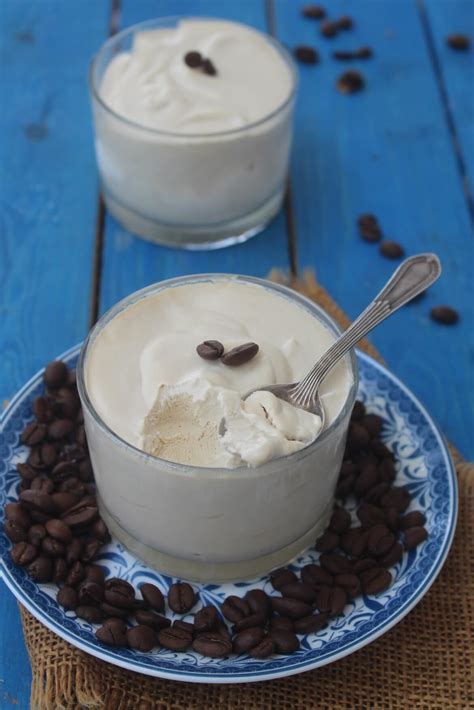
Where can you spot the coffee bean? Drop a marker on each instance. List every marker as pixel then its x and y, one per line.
pixel 149 618
pixel 359 543
pixel 100 531
pixel 284 641
pixel 90 593
pixel 350 82
pixel 193 59
pixel 37 500
pixel 393 556
pixel 81 515
pixel 380 450
pixel 264 649
pixel 15 531
pixel 26 472
pixel 22 553
pixel 444 314
pixel 292 608
pixel 391 249
pixel 175 639
pixel 52 548
pixel 299 590
pixel 43 484
pixel 73 486
pixel 41 569
pixel 349 582
pixel 181 597
pixel 387 471
pixel 414 519
pixel 363 53
pixel 209 68
pixel 66 403
pixel 60 428
pixel 370 515
pixel 114 611
pixel 258 602
pixel 459 42
pixel 113 633
pixel 414 536
pixel 90 549
pixel 234 608
pixel 306 54
pixel 91 614
pixel 42 410
pixel 327 542
pixel 34 434
pixel 119 593
pixel 345 22
pixel 313 12
pixel 364 564
pixel 64 470
pixel 248 622
pixel 76 574
pixel 329 29
pixel 357 437
pixel 73 551
pixel 374 495
pixel 35 460
pixel 373 424
pixel 55 373
pixel 68 598
pixel 316 576
pixel 334 563
pixel 60 570
pixel 58 530
pixel 210 350
pixel 311 624
pixel 63 501
pixel 396 497
pixel 281 623
pixel 282 576
pixel 375 580
pixel 153 596
pixel 116 583
pixel 342 55
pixel 379 540
pixel 206 619
pixel 240 355
pixel 366 480
pixel 212 644
pixel 331 600
pixel 186 626
pixel 49 454
pixel 340 520
pixel 115 621
pixel 245 640
pixel 36 534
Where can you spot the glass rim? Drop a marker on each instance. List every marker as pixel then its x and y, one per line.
pixel 94 89
pixel 213 471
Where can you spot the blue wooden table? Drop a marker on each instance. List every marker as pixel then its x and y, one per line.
pixel 403 149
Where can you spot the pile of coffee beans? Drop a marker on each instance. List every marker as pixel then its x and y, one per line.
pixel 57 533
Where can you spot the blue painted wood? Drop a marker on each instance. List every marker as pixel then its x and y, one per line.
pixel 130 263
pixel 48 192
pixel 445 17
pixel 386 150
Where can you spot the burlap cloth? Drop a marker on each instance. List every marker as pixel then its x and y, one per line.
pixel 424 662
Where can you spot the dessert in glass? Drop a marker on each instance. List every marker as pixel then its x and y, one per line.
pixel 193 121
pixel 193 478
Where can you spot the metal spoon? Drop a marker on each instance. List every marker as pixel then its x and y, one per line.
pixel 411 278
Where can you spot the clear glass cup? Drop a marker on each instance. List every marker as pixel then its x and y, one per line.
pixel 214 523
pixel 190 190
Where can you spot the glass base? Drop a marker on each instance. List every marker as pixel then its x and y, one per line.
pixel 213 236
pixel 205 571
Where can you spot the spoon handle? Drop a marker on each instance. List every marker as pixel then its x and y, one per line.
pixel 411 278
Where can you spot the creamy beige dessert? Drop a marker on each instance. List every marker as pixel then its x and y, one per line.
pixel 193 128
pixel 195 480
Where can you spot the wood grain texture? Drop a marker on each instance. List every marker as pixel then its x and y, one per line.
pixel 48 190
pixel 130 263
pixel 386 150
pixel 456 78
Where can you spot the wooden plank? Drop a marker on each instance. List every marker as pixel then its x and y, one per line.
pixel 385 150
pixel 455 75
pixel 130 263
pixel 48 190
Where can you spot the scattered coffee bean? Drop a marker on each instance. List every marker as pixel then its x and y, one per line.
pixel 444 314
pixel 55 373
pixel 311 624
pixel 80 515
pixel 306 54
pixel 210 350
pixel 113 633
pixel 414 519
pixel 249 621
pixel 375 580
pixel 284 641
pixel 363 53
pixel 299 590
pixel 316 576
pixel 350 82
pixel 292 608
pixel 282 576
pixel 91 614
pixel 331 600
pixel 114 611
pixel 90 593
pixel 234 608
pixel 345 23
pixel 258 602
pixel 313 12
pixel 240 355
pixel 329 29
pixel 459 42
pixel 185 625
pixel 193 59
pixel 68 598
pixel 95 574
pixel 209 68
pixel 153 596
pixel 342 55
pixel 247 639
pixel 142 638
pixel 149 618
pixel 391 249
pixel 414 536
pixel 206 619
pixel 212 644
pixel 264 649
pixel 181 597
pixel 370 231
pixel 22 553
pixel 119 593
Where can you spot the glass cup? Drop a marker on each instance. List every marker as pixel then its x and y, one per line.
pixel 196 191
pixel 214 523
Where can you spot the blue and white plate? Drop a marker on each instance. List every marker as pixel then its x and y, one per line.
pixel 424 466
